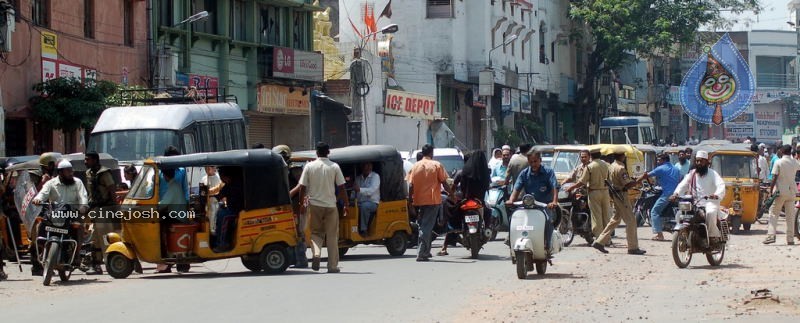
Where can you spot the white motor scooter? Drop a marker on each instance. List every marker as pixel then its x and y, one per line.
pixel 526 234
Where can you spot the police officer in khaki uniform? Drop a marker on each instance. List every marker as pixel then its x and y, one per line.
pixel 594 178
pixel 620 183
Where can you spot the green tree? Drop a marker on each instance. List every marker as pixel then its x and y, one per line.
pixel 646 27
pixel 68 104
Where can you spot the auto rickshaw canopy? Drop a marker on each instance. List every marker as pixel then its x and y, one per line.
pixel 264 176
pixel 390 166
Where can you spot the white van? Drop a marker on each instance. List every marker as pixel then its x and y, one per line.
pixel 627 130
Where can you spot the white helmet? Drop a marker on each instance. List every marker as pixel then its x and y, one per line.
pixel 63 164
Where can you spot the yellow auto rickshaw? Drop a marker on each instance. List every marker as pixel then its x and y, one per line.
pixel 649 152
pixel 390 224
pixel 737 165
pixel 565 159
pixel 634 163
pixel 262 233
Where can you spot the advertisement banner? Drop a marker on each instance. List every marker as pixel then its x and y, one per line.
pixel 505 104
pixel 279 100
pixel 674 95
pixel 525 102
pixel 297 64
pixel 769 123
pixel 49 45
pixel 48 70
pixel 206 85
pixel 411 105
pixel 767 96
pixel 741 127
pixel 52 68
pixel 515 101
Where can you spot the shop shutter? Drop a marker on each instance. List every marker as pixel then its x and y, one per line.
pixel 260 131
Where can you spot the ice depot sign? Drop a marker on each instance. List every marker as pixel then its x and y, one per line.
pixel 411 105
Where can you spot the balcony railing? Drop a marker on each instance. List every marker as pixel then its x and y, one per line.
pixel 783 81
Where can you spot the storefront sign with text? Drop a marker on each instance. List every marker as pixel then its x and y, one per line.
pixel 411 105
pixel 277 99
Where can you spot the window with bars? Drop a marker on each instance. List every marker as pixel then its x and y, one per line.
pixel 270 27
pixel 166 12
pixel 299 27
pixel 440 8
pixel 40 12
pixel 208 25
pixel 127 23
pixel 88 18
pixel 238 21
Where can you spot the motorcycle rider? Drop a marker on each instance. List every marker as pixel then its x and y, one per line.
pixel 473 182
pixel 540 181
pixel 703 181
pixel 668 177
pixel 500 171
pixel 595 178
pixel 63 189
pixel 784 185
pixel 46 171
pixel 620 182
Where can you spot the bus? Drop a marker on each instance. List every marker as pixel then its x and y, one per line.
pixel 627 130
pixel 132 134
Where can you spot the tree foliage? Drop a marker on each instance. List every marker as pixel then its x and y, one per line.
pixel 649 26
pixel 68 104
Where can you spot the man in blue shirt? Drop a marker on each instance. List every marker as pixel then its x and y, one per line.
pixel 683 163
pixel 775 157
pixel 540 181
pixel 668 177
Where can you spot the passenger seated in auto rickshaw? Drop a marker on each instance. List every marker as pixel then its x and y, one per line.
pixel 367 186
pixel 231 198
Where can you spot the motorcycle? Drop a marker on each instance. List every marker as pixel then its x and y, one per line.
pixel 644 204
pixel 496 201
pixel 57 246
pixel 473 235
pixel 527 237
pixel 692 234
pixel 577 220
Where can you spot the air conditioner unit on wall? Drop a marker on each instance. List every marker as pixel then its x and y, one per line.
pixel 167 65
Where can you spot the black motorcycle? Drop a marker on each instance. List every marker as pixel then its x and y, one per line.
pixel 57 246
pixel 576 218
pixel 644 204
pixel 692 235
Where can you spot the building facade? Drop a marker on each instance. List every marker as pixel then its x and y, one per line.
pixel 87 39
pixel 424 80
pixel 258 52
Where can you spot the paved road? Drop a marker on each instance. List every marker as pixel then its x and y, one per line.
pixel 582 285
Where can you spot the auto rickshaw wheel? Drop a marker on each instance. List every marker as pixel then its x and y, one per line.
pixel 397 244
pixel 541 267
pixel 183 268
pixel 252 263
pixel 119 266
pixel 274 259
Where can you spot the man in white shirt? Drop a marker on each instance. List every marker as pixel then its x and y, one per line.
pixel 320 180
pixel 211 179
pixel 368 187
pixel 704 182
pixel 763 167
pixel 783 175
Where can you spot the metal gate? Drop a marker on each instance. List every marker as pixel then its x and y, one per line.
pixel 259 131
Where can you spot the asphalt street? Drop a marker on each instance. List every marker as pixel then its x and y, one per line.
pixel 582 285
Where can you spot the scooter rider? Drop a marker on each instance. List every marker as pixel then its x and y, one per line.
pixel 540 181
pixel 63 189
pixel 703 181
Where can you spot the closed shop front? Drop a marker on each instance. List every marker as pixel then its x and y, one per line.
pixel 282 117
pixel 259 130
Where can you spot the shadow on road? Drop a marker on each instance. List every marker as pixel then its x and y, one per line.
pixel 79 282
pixel 215 275
pixel 723 266
pixel 750 233
pixel 554 276
pixel 369 257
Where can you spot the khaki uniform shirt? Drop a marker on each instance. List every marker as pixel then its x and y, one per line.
pixel 595 175
pixel 619 178
pixel 577 173
pixel 99 186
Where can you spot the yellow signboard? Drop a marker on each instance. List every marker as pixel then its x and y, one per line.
pixel 49 45
pixel 280 100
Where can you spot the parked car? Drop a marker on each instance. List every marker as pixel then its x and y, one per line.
pixel 452 159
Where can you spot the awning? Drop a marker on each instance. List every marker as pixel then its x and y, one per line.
pixel 328 100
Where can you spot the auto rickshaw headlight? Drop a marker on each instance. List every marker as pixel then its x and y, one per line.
pixel 528 201
pixel 112 238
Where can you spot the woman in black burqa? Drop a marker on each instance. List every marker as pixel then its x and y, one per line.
pixel 472 182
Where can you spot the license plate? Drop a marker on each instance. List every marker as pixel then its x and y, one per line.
pixel 524 227
pixel 472 218
pixel 56 230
